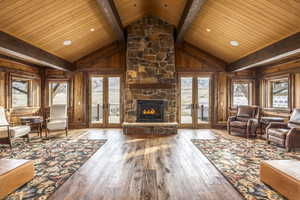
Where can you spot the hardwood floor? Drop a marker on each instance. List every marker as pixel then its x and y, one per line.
pixel 147 168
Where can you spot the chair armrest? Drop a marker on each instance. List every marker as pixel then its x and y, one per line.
pixel 231 119
pixel 293 138
pixel 277 125
pixel 253 120
pixel 4 125
pixel 60 118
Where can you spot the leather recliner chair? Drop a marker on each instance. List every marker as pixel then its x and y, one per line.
pixel 285 134
pixel 245 122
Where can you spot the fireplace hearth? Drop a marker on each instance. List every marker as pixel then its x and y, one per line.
pixel 150 110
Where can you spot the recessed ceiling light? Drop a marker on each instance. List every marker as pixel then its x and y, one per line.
pixel 208 30
pixel 67 42
pixel 92 29
pixel 234 43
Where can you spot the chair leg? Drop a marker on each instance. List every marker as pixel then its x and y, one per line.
pixel 66 132
pixel 289 149
pixel 10 144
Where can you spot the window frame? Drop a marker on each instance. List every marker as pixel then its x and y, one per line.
pixel 251 91
pixel 29 90
pixel 268 97
pixel 50 99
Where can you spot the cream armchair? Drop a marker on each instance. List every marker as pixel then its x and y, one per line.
pixel 58 119
pixel 8 132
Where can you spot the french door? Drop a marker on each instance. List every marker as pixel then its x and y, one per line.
pixel 105 101
pixel 195 101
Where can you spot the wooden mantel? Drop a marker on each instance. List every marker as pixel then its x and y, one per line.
pixel 150 86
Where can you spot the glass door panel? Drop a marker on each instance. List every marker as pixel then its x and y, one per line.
pixel 203 103
pixel 186 99
pixel 114 100
pixel 97 100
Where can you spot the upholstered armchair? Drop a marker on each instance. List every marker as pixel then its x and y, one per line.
pixel 58 119
pixel 285 134
pixel 8 132
pixel 245 122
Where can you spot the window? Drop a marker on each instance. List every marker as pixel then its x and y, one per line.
pixel 241 93
pixel 58 92
pixel 279 93
pixel 20 92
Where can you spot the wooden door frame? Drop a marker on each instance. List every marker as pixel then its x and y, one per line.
pixel 105 123
pixel 194 76
pixel 110 125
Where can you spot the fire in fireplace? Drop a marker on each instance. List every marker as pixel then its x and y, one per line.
pixel 150 110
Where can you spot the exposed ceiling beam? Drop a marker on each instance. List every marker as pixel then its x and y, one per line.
pixel 110 12
pixel 189 14
pixel 19 49
pixel 273 53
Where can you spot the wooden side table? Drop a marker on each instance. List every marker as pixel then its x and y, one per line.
pixel 265 121
pixel 14 174
pixel 35 123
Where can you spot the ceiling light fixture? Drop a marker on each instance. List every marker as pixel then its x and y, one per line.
pixel 67 42
pixel 208 30
pixel 92 29
pixel 234 43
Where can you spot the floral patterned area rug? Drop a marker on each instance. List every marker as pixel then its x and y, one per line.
pixel 238 159
pixel 55 160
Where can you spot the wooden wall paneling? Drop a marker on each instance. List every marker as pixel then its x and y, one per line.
pixel 203 56
pixel 278 69
pixel 111 56
pixel 222 94
pixel 86 116
pixel 13 66
pixel 8 90
pixel 2 89
pixel 78 97
pixel 297 90
pixel 43 94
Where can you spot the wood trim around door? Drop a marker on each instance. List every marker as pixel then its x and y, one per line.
pixel 194 102
pixel 105 123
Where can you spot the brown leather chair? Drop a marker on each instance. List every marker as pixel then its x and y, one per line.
pixel 285 134
pixel 245 122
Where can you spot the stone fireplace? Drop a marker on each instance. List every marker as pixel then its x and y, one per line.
pixel 150 110
pixel 150 73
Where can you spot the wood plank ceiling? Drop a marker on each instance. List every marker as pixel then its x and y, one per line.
pixel 254 24
pixel 47 24
pixel 132 10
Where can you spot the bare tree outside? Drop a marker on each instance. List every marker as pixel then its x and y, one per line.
pixel 280 94
pixel 20 89
pixel 240 94
pixel 59 93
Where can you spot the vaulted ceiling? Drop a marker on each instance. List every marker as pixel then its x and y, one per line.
pixel 46 24
pixel 255 24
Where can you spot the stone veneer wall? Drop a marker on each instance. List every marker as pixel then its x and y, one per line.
pixel 150 61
